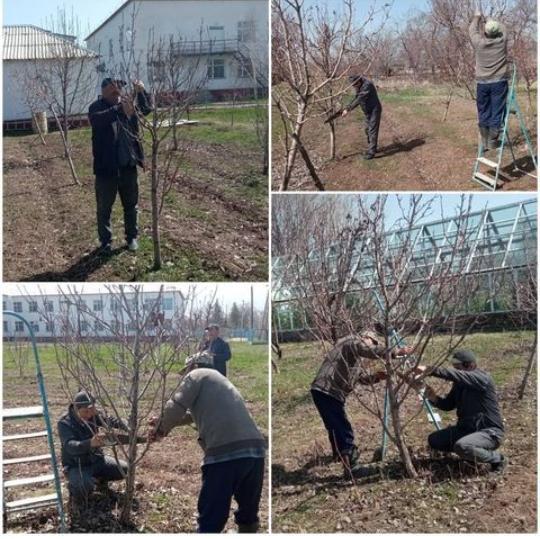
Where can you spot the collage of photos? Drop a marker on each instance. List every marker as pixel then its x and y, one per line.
pixel 269 266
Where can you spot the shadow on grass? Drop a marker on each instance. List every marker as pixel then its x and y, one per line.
pixel 80 270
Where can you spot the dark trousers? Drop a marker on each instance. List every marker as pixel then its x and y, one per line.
pixel 372 122
pixel 491 104
pixel 241 479
pixel 340 432
pixel 126 185
pixel 475 447
pixel 82 480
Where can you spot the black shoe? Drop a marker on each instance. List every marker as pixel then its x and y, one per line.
pixel 360 471
pixel 248 528
pixel 105 249
pixel 500 466
pixel 369 156
pixel 355 455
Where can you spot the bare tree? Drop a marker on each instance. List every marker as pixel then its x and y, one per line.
pixel 125 362
pixel 65 80
pixel 405 278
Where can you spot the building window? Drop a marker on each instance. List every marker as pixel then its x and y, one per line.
pixel 98 326
pixel 49 326
pixel 6 326
pixel 246 31
pixel 32 306
pixel 98 305
pixel 34 326
pixel 167 304
pixel 19 326
pixel 4 307
pixel 49 306
pixel 111 51
pixel 84 326
pixel 216 68
pixel 17 307
pixel 244 70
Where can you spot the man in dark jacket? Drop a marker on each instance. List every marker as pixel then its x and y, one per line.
pixel 82 457
pixel 343 367
pixel 117 150
pixel 217 347
pixel 479 429
pixel 367 98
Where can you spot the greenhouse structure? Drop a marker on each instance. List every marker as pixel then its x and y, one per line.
pixel 500 246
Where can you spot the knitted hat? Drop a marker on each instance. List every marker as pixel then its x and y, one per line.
pixel 463 357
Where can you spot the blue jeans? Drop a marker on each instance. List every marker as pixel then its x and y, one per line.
pixel 241 479
pixel 340 432
pixel 491 103
pixel 82 481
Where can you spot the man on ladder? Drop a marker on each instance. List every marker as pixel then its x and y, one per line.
pixel 492 73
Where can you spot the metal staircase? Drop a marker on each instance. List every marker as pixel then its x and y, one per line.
pixel 33 412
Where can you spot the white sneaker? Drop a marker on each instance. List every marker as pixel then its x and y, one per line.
pixel 133 245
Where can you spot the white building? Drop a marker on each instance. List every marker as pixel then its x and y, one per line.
pixel 30 54
pixel 226 37
pixel 45 313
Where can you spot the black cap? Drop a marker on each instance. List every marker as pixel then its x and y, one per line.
pixel 355 78
pixel 83 400
pixel 211 326
pixel 463 356
pixel 105 82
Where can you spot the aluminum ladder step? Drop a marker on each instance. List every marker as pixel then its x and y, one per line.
pixel 9 437
pixel 23 481
pixel 488 162
pixel 22 460
pixel 486 180
pixel 26 504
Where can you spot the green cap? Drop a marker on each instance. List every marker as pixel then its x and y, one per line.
pixel 464 357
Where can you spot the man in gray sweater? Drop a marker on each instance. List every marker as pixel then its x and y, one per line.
pixel 490 46
pixel 234 448
pixel 479 429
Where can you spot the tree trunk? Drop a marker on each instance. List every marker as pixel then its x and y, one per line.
pixel 293 150
pixel 155 209
pixel 528 369
pixel 311 167
pixel 332 140
pixel 67 151
pixel 398 433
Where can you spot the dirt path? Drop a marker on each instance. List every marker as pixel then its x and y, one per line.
pixel 214 224
pixel 418 151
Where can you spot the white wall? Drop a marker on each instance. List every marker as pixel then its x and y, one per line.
pixel 17 73
pixel 186 19
pixel 40 319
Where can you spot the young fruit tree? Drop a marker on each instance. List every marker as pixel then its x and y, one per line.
pixel 66 83
pixel 398 279
pixel 314 51
pixel 125 362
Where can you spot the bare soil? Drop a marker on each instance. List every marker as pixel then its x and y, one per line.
pixel 418 150
pixel 214 224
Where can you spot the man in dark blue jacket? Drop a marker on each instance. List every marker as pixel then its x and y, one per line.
pixel 479 429
pixel 82 455
pixel 117 151
pixel 219 349
pixel 368 99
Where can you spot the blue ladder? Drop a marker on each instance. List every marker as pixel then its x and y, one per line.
pixel 493 180
pixel 432 415
pixel 28 504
